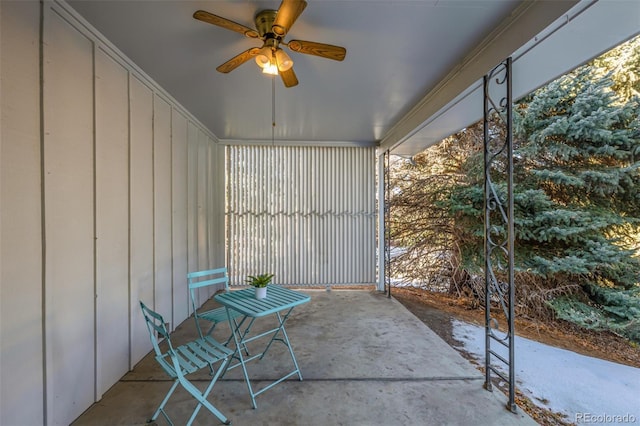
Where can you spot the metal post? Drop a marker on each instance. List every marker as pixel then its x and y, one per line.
pixel 499 229
pixel 387 227
pixel 382 232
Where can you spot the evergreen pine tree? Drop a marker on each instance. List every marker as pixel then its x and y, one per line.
pixel 578 168
pixel 576 195
pixel 420 221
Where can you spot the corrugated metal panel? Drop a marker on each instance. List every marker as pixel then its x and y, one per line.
pixel 305 214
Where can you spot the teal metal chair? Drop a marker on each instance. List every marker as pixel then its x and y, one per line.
pixel 200 279
pixel 183 360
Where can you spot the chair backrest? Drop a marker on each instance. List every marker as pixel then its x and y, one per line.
pixel 157 329
pixel 209 277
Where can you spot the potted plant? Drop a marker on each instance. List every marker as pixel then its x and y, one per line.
pixel 260 282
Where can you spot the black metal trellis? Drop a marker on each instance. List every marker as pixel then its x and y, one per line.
pixel 387 224
pixel 499 228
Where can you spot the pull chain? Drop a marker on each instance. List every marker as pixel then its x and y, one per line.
pixel 273 110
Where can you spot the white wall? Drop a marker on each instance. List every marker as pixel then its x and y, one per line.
pixel 21 242
pixel 305 214
pixel 109 193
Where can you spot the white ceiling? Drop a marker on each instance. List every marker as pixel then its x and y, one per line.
pixel 399 53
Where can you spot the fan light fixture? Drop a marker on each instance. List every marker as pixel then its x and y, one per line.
pixel 270 69
pixel 264 57
pixel 283 60
pixel 272 63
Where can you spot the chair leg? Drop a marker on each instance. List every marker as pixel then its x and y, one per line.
pixel 237 327
pixel 201 397
pixel 211 408
pixel 163 403
pixel 211 329
pixel 246 350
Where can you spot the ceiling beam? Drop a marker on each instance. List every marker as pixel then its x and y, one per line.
pixel 284 142
pixel 526 21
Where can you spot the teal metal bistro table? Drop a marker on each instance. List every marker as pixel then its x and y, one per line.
pixel 279 300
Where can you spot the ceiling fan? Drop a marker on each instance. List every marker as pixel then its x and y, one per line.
pixel 271 27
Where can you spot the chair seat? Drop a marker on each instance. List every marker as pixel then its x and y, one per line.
pixel 218 315
pixel 194 355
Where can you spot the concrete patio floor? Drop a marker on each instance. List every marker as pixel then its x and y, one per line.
pixel 365 360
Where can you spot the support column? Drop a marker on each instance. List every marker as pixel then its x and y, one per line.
pixel 499 229
pixel 382 231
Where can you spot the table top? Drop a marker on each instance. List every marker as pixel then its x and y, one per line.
pixel 278 298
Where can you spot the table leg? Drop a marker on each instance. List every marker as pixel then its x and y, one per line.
pixel 287 343
pixel 240 339
pixel 238 352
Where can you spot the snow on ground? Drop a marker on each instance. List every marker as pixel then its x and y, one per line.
pixel 585 389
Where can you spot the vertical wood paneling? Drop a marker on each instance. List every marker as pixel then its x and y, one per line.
pixel 103 189
pixel 218 206
pixel 162 206
pixel 210 185
pixel 302 213
pixel 20 220
pixel 179 216
pixel 141 213
pixel 210 202
pixel 202 184
pixel 112 221
pixel 192 200
pixel 69 220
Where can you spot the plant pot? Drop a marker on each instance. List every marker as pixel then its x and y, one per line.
pixel 261 292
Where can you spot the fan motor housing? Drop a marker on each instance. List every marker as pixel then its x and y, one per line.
pixel 264 22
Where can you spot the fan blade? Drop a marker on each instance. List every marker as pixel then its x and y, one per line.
pixel 210 18
pixel 329 51
pixel 238 60
pixel 289 78
pixel 287 14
